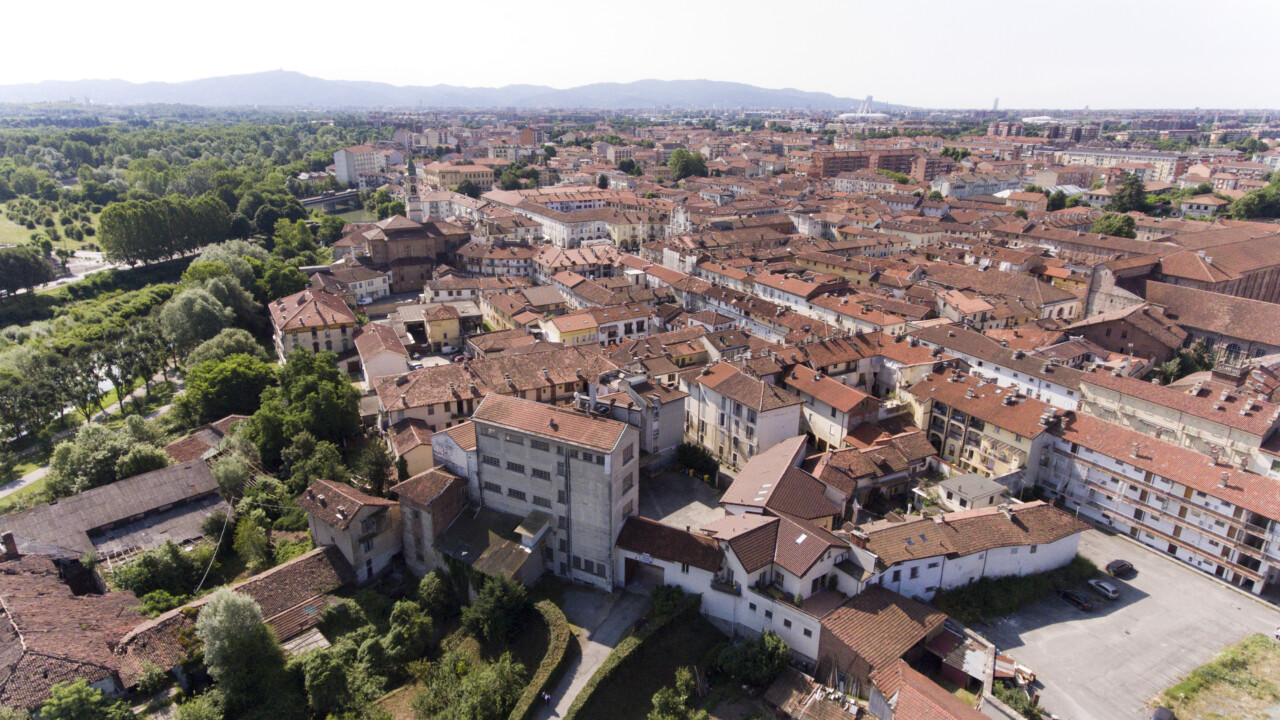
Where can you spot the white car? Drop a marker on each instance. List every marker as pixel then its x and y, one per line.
pixel 366 300
pixel 1105 589
pixel 448 349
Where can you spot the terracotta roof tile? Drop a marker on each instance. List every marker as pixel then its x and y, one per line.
pixel 664 542
pixel 880 625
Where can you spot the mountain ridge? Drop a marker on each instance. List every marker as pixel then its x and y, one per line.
pixel 284 88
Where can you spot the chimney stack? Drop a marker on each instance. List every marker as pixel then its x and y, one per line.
pixel 10 545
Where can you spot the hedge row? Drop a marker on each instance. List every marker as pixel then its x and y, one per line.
pixel 618 657
pixel 997 597
pixel 560 650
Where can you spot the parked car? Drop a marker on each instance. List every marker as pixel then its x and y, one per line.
pixel 1119 568
pixel 1105 589
pixel 460 358
pixel 1076 599
pixel 448 349
pixel 366 300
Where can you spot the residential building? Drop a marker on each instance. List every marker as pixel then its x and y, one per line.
pixel 381 352
pixel 365 529
pixel 831 409
pixel 979 426
pixel 350 162
pixel 1211 516
pixel 734 415
pixel 315 320
pixel 920 557
pixel 430 501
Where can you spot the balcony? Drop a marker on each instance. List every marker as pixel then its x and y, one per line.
pixel 728 588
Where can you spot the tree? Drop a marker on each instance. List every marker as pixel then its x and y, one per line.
pixel 496 612
pixel 672 703
pixel 468 188
pixel 326 681
pixel 232 472
pixel 1129 195
pixel 435 595
pixel 307 459
pixel 312 396
pixel 602 182
pixel 629 166
pixel 141 459
pixel 191 317
pixel 1057 201
pixel 96 456
pixel 685 164
pixel 231 341
pixel 1020 213
pixel 77 701
pixel 265 219
pixel 23 268
pixel 1115 225
pixel 218 388
pixel 240 652
pixel 410 632
pixel 374 465
pixel 252 545
pixel 935 196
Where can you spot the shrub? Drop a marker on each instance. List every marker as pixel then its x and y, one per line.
pixel 1017 700
pixel 996 597
pixel 153 679
pixel 560 649
pixel 159 601
pixel 697 459
pixel 667 599
pixel 756 662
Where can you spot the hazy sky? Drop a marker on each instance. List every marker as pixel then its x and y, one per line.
pixel 941 53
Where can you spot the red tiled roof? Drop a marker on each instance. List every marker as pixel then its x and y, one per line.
pixel 918 697
pixel 971 531
pixel 880 625
pixel 567 426
pixel 426 486
pixel 335 503
pixel 664 542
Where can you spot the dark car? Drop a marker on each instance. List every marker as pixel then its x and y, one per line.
pixel 1119 568
pixel 1076 599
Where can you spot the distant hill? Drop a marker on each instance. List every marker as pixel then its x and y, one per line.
pixel 280 88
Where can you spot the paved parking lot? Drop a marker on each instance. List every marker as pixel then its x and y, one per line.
pixel 679 500
pixel 1106 664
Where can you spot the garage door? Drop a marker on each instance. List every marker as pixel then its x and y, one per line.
pixel 643 577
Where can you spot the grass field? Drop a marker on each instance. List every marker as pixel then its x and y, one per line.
pixel 13 234
pixel 1242 682
pixel 628 695
pixel 355 216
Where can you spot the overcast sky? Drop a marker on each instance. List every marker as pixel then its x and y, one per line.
pixel 937 53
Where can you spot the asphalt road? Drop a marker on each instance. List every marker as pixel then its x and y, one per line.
pixel 1107 664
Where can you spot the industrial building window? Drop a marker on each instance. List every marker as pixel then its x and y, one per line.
pixel 808 632
pixel 515 494
pixel 540 474
pixel 493 487
pixel 540 445
pixel 587 457
pixel 577 563
pixel 786 623
pixel 515 467
pixel 599 459
pixel 541 501
pixel 491 460
pixel 560 498
pixel 752 606
pixel 515 439
pixel 628 452
pixel 768 614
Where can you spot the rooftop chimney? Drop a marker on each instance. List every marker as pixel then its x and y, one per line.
pixel 10 545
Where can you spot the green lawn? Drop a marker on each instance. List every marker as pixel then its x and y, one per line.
pixel 8 501
pixel 628 693
pixel 12 233
pixel 357 216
